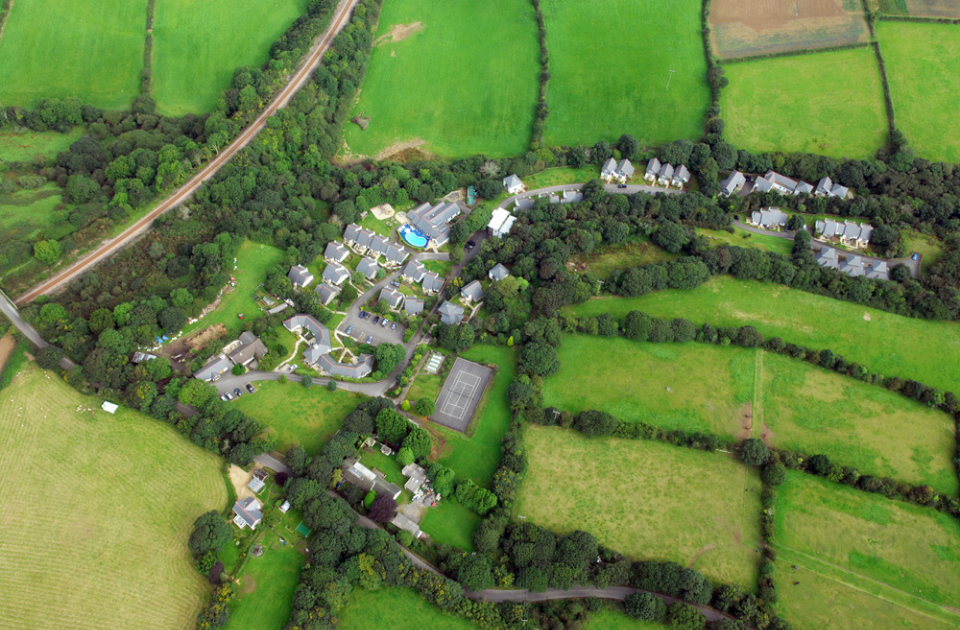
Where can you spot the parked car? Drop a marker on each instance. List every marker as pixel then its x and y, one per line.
pixel 621 185
pixel 237 392
pixel 915 257
pixel 395 283
pixel 393 326
pixel 471 245
pixel 251 388
pixel 376 319
pixel 370 339
pixel 224 398
pixel 363 314
pixel 349 329
pixel 384 322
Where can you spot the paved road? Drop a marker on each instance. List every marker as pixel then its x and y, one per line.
pixel 10 312
pixel 272 462
pixel 912 265
pixel 610 188
pixel 59 280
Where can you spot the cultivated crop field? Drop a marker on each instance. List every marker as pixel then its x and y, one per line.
pixel 921 62
pixel 671 386
pixel 646 499
pixel 198 44
pixel 744 28
pixel 886 550
pixel 883 342
pixel 91 49
pixel 96 512
pixel 812 410
pixel 451 78
pixel 918 8
pixel 610 62
pixel 784 104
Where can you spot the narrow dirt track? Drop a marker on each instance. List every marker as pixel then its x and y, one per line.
pixel 79 266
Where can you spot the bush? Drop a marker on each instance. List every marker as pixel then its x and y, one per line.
pixel 425 407
pixel 645 607
pixel 405 456
pixel 773 473
pixel 754 452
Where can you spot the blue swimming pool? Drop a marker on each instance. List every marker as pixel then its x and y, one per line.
pixel 413 237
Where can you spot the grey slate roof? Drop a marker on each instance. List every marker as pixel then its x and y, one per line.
pixel 866 231
pixel 300 276
pixel 829 227
pixel 433 220
pixel 653 167
pixel 762 185
pixel 335 251
pixel 391 296
pixel 609 168
pixel 395 254
pixel 853 266
pixel 851 230
pixel 839 191
pixel 364 237
pixel 213 368
pixel 472 291
pixel 571 196
pixel 524 204
pixel 321 335
pixel 351 232
pixel 828 258
pixel 366 480
pixel 498 272
pixel 248 510
pixel 335 273
pixel 327 292
pixel 681 174
pixel 879 271
pixel 803 188
pixel 781 180
pixel 250 348
pixel 450 313
pixel 413 306
pixel 824 186
pixel 770 218
pixel 733 182
pixel 363 367
pixel 512 181
pixel 368 267
pixel 666 172
pixel 414 270
pixel 432 282
pixel 625 169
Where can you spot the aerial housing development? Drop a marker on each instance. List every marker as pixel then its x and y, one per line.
pixel 506 315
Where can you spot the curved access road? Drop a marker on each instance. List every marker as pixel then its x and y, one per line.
pixel 109 248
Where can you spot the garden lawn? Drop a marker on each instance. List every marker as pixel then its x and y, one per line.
pixel 646 499
pixel 465 83
pixel 610 63
pixel 921 62
pixel 397 609
pixel 90 49
pixel 562 175
pixel 929 247
pixel 424 386
pixel 742 238
pixel 829 103
pixel 813 410
pixel 826 528
pixel 883 342
pixel 451 524
pixel 265 595
pixel 611 620
pixel 606 260
pixel 297 414
pixel 26 146
pixel 672 386
pixel 97 509
pixel 476 455
pixel 198 44
pixel 254 261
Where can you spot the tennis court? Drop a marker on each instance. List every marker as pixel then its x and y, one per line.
pixel 461 394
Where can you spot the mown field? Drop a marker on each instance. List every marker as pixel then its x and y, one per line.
pixel 461 80
pixel 89 49
pixel 197 46
pixel 646 499
pixel 813 410
pixel 742 238
pixel 921 62
pixel 30 145
pixel 784 104
pixel 893 561
pixel 672 386
pixel 743 28
pixel 397 609
pixel 610 62
pixel 297 414
pixel 610 620
pixel 886 343
pixel 265 595
pixel 96 513
pixel 918 8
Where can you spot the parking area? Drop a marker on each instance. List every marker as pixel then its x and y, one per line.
pixel 461 394
pixel 364 328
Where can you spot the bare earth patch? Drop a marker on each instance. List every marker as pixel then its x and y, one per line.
pixel 7 344
pixel 399 32
pixel 401 147
pixel 240 478
pixel 746 421
pixel 866 316
pixel 249 585
pixel 205 336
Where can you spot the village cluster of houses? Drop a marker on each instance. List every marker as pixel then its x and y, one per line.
pixel 853 265
pixel 319 347
pixel 433 221
pixel 248 511
pixel 775 182
pixel 847 233
pixel 613 171
pixel 245 351
pixel 367 242
pixel 666 174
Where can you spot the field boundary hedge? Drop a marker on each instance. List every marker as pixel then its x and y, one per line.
pixel 4 12
pixel 917 18
pixel 543 110
pixel 146 76
pixel 794 53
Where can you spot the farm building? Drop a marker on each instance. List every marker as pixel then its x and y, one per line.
pixel 498 272
pixel 247 513
pixel 359 475
pixel 769 219
pixel 336 252
pixel 433 221
pixel 450 313
pixel 513 184
pixel 501 222
pixel 472 292
pixel 335 273
pixel 300 276
pixel 733 183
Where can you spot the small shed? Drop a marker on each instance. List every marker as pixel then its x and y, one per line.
pixel 285 507
pixel 109 407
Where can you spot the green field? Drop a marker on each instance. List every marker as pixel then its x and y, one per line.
pixel 883 342
pixel 671 386
pixel 610 62
pixel 397 609
pixel 608 259
pixel 197 46
pixel 464 83
pixel 646 499
pixel 27 214
pixel 265 594
pixel 89 49
pixel 296 414
pixel 904 554
pixel 929 247
pixel 96 513
pixel 27 146
pixel 451 524
pixel 562 175
pixel 742 238
pixel 921 62
pixel 828 102
pixel 254 260
pixel 609 620
pixel 881 433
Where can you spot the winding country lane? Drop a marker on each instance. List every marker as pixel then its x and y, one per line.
pixel 84 263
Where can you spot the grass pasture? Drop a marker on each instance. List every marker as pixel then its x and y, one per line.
pixel 89 49
pixel 31 146
pixel 296 414
pixel 562 175
pixel 928 246
pixel 710 388
pixel 613 620
pixel 451 78
pixel 265 595
pixel 27 214
pixel 610 62
pixel 921 62
pixel 741 28
pixel 918 8
pixel 883 342
pixel 901 553
pixel 397 609
pixel 639 251
pixel 97 511
pixel 198 44
pixel 784 104
pixel 813 410
pixel 742 238
pixel 646 499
